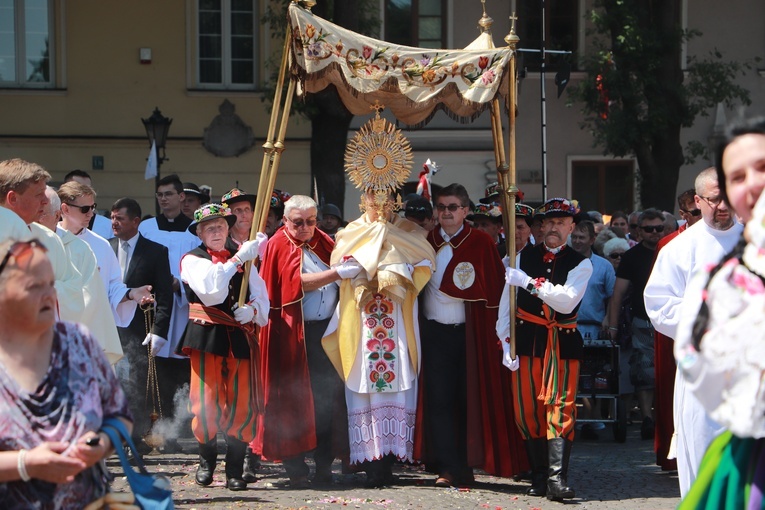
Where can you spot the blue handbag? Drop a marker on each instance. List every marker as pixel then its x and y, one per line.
pixel 152 491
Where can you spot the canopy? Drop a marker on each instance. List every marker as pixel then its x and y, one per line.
pixel 413 83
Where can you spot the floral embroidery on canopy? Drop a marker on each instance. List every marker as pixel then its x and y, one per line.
pixel 381 344
pixel 412 82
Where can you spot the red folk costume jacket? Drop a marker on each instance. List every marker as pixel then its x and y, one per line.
pixel 287 427
pixel 494 442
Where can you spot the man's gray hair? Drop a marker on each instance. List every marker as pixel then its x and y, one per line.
pixel 55 201
pixel 299 203
pixel 705 178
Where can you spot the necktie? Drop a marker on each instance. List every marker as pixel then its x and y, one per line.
pixel 124 258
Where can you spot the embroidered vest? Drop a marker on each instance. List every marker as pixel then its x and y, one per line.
pixel 531 339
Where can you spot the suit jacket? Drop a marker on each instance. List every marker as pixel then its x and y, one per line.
pixel 148 266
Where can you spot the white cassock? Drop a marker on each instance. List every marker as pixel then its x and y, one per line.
pixel 665 292
pixel 12 226
pixel 178 244
pixel 71 303
pixel 109 270
pixel 97 315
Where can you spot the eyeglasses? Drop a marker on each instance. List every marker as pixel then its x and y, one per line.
pixel 615 255
pixel 19 251
pixel 712 201
pixel 84 209
pixel 652 228
pixel 299 223
pixel 450 207
pixel 166 194
pixel 694 212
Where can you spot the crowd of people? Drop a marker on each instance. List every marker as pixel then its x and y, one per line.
pixel 380 340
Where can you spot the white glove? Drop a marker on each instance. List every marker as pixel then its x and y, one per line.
pixel 509 362
pixel 248 250
pixel 506 261
pixel 262 240
pixel 244 314
pixel 156 341
pixel 516 277
pixel 348 269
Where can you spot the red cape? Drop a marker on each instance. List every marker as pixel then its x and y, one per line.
pixel 494 442
pixel 286 428
pixel 664 368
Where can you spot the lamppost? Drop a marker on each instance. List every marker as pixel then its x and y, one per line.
pixel 157 127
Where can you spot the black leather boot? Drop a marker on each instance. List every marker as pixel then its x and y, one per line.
pixel 208 454
pixel 537 452
pixel 235 453
pixel 557 476
pixel 251 464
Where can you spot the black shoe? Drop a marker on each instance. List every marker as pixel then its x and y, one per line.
pixel 251 464
pixel 300 482
pixel 236 484
pixel 559 451
pixel 208 453
pixel 536 449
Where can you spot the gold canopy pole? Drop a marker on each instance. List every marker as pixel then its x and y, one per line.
pixel 506 172
pixel 272 155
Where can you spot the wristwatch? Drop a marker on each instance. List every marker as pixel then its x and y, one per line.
pixel 530 286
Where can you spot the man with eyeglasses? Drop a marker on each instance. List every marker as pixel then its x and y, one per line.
pixel 303 394
pixel 98 224
pixel 664 358
pixel 551 279
pixel 78 205
pixel 170 229
pixel 97 314
pixel 466 406
pixel 702 244
pixel 631 276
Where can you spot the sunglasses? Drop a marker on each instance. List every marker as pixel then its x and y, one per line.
pixel 615 256
pixel 84 209
pixel 450 207
pixel 649 229
pixel 300 223
pixel 20 251
pixel 692 212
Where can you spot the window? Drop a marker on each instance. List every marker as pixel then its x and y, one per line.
pixel 561 25
pixel 26 29
pixel 226 44
pixel 416 23
pixel 604 185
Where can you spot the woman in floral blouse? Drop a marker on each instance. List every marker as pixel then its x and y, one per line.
pixel 56 387
pixel 722 353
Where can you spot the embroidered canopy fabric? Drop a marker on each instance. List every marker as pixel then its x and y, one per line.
pixel 413 83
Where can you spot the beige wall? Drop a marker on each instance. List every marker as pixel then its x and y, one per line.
pixel 104 91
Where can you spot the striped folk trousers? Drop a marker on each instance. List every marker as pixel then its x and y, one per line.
pixel 220 397
pixel 534 417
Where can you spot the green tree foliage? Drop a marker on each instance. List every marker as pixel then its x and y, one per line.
pixel 635 97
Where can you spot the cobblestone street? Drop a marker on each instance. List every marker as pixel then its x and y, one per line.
pixel 605 474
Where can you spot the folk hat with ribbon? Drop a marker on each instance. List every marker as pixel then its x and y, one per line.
pixel 209 212
pixel 237 195
pixel 560 208
pixel 524 211
pixel 492 210
pixel 492 194
pixel 191 188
